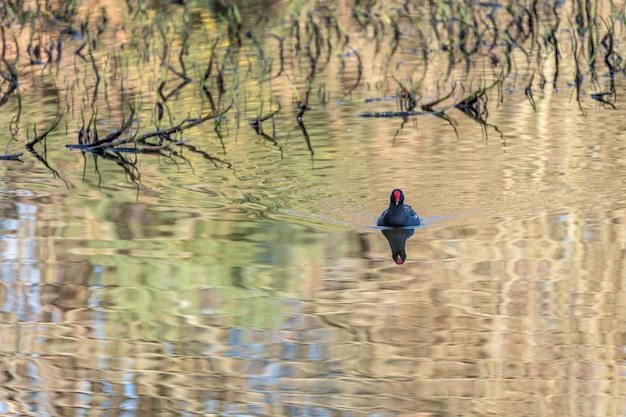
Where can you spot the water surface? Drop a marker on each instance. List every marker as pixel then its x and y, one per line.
pixel 257 284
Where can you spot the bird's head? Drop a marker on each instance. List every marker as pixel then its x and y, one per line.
pixel 397 197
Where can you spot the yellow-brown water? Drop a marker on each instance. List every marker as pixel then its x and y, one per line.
pixel 259 286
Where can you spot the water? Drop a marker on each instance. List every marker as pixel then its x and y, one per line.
pixel 259 285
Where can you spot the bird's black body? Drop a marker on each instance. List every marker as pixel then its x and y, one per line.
pixel 398 214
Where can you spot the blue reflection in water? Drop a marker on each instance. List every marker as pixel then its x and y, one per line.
pixel 18 251
pixel 266 371
pixel 269 376
pixel 315 351
pixel 107 388
pixel 131 402
pixel 290 351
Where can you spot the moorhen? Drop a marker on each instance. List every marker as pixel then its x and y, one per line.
pixel 398 214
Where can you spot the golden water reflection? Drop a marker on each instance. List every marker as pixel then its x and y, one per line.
pixel 259 286
pixel 472 324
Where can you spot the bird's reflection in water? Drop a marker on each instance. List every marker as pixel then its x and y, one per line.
pixel 397 238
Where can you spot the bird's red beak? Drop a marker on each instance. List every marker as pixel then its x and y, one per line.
pixel 396 197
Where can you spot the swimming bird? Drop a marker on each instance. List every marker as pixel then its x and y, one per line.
pixel 398 214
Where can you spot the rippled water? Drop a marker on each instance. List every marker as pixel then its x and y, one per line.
pixel 260 286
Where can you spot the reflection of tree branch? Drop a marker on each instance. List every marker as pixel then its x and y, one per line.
pixel 113 148
pixel 430 106
pixel 304 104
pixel 600 97
pixel 528 91
pixel 129 166
pixel 553 39
pixel 106 141
pixel 608 98
pixel 256 124
pixel 165 97
pixel 44 135
pixel 175 90
pixel 258 128
pixel 97 73
pixel 307 139
pixel 184 125
pixel 12 157
pixel 393 114
pixel 281 54
pixel 405 115
pixel 207 74
pixel 475 107
pixel 14 127
pixel 205 155
pixel 42 157
pixel 359 72
pixel 475 104
pixel 11 76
